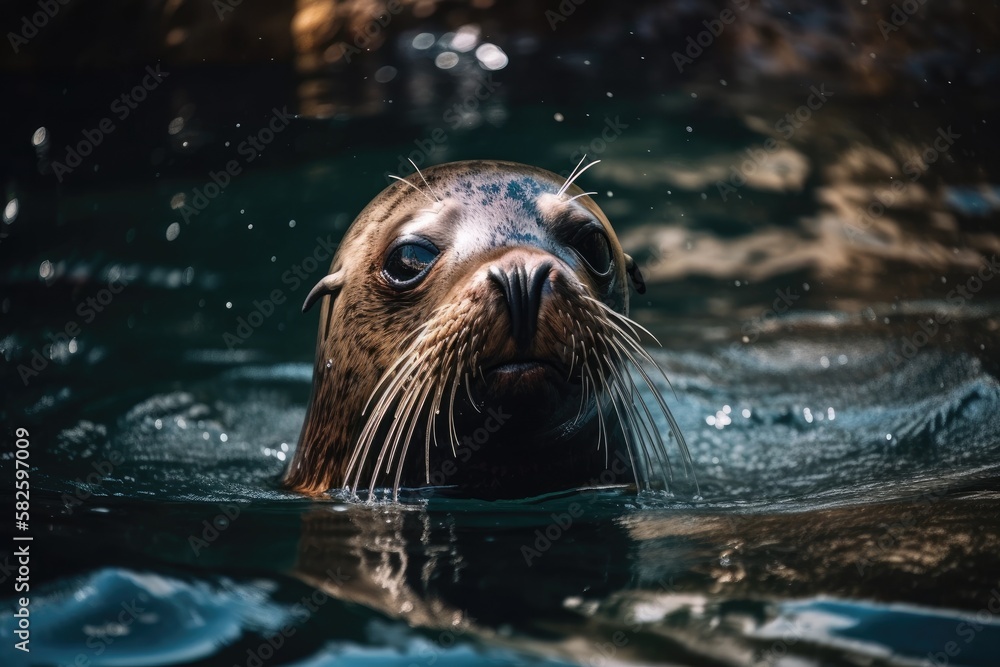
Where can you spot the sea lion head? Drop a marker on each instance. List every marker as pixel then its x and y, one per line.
pixel 474 334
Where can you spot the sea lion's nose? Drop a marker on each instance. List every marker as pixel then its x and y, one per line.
pixel 522 287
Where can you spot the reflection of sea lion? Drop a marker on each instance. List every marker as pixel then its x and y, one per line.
pixel 479 297
pixel 702 587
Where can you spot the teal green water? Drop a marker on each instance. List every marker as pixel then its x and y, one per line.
pixel 847 457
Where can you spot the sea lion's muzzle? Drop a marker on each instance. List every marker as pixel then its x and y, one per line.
pixel 522 282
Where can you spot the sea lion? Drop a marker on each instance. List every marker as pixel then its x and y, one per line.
pixel 474 335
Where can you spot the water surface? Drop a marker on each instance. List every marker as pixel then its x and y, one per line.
pixel 832 361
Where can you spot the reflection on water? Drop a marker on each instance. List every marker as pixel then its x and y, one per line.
pixel 813 202
pixel 811 533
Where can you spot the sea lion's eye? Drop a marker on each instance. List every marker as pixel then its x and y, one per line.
pixel 595 249
pixel 408 261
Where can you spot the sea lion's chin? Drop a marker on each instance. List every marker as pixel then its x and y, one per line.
pixel 535 393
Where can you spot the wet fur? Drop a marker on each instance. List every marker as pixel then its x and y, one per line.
pixel 456 319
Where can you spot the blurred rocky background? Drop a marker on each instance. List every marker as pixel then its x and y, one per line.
pixel 843 149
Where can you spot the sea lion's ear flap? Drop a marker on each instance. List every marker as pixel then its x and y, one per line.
pixel 330 284
pixel 635 274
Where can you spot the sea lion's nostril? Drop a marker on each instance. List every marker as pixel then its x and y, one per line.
pixel 522 288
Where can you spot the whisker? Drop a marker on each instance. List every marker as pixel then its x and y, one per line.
pixel 575 175
pixel 405 358
pixel 451 411
pixel 571 175
pixel 400 420
pixel 582 194
pixel 421 174
pixel 572 360
pixel 468 391
pixel 406 444
pixel 436 410
pixel 364 440
pixel 651 430
pixel 632 324
pixel 403 180
pixel 614 389
pixel 674 427
pixel 661 452
pixel 601 433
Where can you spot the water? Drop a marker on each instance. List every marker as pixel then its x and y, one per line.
pixel 837 388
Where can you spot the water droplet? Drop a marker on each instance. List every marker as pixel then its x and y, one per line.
pixel 385 74
pixel 10 211
pixel 40 137
pixel 491 57
pixel 423 41
pixel 446 60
